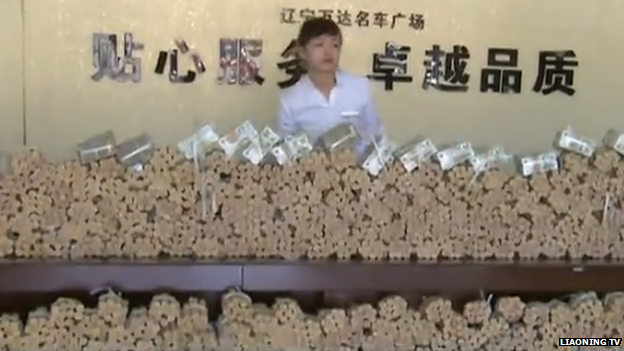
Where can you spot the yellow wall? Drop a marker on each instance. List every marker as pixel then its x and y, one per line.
pixel 64 106
pixel 11 75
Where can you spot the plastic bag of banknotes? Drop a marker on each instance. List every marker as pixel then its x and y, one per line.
pixel 135 152
pixel 456 155
pixel 570 141
pixel 236 141
pixel 415 153
pixel 199 143
pixel 341 136
pixel 615 140
pixel 97 147
pixel 542 163
pixel 291 148
pixel 495 157
pixel 261 145
pixel 247 143
pixel 378 154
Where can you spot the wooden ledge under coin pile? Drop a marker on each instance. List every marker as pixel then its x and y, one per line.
pixel 308 276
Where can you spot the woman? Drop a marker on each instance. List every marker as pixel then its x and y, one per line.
pixel 327 96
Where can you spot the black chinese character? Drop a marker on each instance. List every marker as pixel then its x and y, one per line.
pixel 343 18
pixel 380 19
pixel 326 13
pixel 174 76
pixel 109 64
pixel 395 18
pixel 552 72
pixel 173 55
pixel 293 66
pixel 391 66
pixel 501 76
pixel 288 15
pixel 417 21
pixel 361 19
pixel 306 14
pixel 453 73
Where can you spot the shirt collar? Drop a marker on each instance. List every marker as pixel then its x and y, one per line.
pixel 339 79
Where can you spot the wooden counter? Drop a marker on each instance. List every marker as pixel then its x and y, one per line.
pixel 310 276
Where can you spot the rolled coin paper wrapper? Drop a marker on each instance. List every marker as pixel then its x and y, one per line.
pixel 136 150
pixel 568 140
pixel 238 138
pixel 414 154
pixel 96 148
pixel 615 140
pixel 540 164
pixel 5 164
pixel 342 135
pixel 454 156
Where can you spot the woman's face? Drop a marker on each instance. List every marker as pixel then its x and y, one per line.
pixel 322 54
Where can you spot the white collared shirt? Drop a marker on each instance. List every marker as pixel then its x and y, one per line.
pixel 304 109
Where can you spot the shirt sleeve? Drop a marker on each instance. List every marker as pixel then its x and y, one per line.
pixel 286 122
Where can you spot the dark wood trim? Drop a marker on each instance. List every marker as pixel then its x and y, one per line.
pixel 260 276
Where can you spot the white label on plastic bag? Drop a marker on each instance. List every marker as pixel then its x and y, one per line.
pixel 382 154
pixel 421 152
pixel 425 150
pixel 229 147
pixel 373 164
pixel 187 148
pixel 619 144
pixel 540 164
pixel 409 160
pixel 268 138
pixel 197 142
pixel 253 154
pixel 206 135
pixel 247 131
pixel 449 158
pixel 297 145
pixel 281 156
pixel 571 142
pixel 482 163
pixel 138 167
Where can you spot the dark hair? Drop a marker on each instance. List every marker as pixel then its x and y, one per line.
pixel 316 27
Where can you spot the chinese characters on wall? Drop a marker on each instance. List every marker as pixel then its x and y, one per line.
pixel 291 65
pixel 360 18
pixel 445 69
pixel 172 56
pixel 239 61
pixel 108 63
